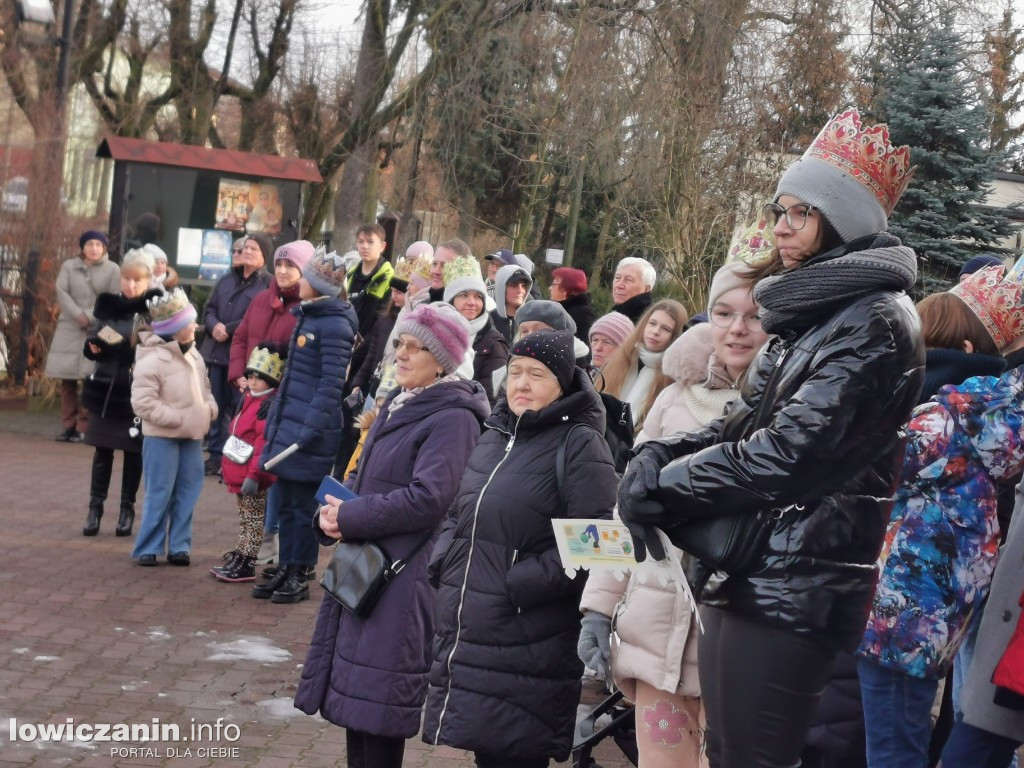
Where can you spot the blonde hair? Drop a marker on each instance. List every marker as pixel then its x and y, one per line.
pixel 624 359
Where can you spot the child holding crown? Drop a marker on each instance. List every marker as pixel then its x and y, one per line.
pixel 171 395
pixel 240 463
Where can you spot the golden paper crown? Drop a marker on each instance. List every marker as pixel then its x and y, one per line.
pixel 753 243
pixel 403 269
pixel 421 266
pixel 866 154
pixel 460 266
pixel 165 307
pixel 266 363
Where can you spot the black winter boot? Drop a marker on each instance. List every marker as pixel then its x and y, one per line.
pixel 131 475
pixel 102 466
pixel 230 561
pixel 295 588
pixel 265 590
pixel 242 569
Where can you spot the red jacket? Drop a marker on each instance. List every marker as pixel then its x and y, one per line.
pixel 266 321
pixel 248 425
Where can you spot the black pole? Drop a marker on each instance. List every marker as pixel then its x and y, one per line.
pixel 28 308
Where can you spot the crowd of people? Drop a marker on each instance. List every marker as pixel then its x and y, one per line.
pixel 874 440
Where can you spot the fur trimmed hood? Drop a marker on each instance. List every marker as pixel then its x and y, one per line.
pixel 690 360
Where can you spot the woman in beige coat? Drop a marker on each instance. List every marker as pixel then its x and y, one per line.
pixel 79 282
pixel 653 654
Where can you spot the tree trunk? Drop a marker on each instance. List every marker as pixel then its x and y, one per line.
pixel 372 61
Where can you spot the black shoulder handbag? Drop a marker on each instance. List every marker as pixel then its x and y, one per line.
pixel 731 542
pixel 360 570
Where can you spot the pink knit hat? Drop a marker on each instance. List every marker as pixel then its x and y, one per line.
pixel 615 325
pixel 298 253
pixel 443 331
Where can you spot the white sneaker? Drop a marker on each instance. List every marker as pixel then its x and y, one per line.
pixel 268 549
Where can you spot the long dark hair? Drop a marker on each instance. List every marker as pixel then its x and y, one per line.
pixel 828 238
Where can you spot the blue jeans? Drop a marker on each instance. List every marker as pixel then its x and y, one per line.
pixel 173 472
pixel 971 747
pixel 897 716
pixel 270 520
pixel 297 544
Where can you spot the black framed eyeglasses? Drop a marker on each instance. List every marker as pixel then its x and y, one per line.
pixel 796 215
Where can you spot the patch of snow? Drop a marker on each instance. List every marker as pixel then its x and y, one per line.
pixel 282 709
pixel 158 633
pixel 250 648
pixel 46 658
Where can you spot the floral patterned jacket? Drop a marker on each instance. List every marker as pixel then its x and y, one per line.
pixel 942 544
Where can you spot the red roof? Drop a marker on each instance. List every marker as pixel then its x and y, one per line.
pixel 222 160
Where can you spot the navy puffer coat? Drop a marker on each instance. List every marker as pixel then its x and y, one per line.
pixel 371 674
pixel 307 409
pixel 505 676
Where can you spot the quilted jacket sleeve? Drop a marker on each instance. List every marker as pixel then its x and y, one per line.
pixel 825 431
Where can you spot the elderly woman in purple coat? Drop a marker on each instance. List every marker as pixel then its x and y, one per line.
pixel 369 675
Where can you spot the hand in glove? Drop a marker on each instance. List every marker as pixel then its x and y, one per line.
pixel 640 479
pixel 595 645
pixel 250 487
pixel 644 538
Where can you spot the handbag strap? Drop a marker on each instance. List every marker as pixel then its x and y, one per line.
pixel 398 565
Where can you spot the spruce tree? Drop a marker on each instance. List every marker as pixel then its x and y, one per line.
pixel 931 103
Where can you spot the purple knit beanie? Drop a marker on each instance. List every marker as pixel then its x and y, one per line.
pixel 443 331
pixel 298 253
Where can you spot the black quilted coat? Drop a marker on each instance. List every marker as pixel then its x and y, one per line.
pixel 817 425
pixel 505 676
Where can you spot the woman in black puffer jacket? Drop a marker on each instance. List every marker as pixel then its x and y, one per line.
pixel 814 436
pixel 505 677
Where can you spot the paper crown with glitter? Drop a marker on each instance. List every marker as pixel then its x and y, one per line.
pixel 170 313
pixel 866 154
pixel 852 174
pixel 461 266
pixel 753 243
pixel 998 301
pixel 463 274
pixel 325 272
pixel 266 362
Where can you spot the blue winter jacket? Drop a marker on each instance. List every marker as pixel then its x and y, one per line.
pixel 307 409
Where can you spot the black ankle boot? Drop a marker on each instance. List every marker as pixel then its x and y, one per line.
pixel 264 591
pixel 295 588
pixel 92 521
pixel 242 569
pixel 230 561
pixel 125 520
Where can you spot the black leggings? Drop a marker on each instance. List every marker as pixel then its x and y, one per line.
pixel 367 750
pixel 761 687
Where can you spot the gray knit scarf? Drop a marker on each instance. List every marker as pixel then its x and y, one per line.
pixel 800 296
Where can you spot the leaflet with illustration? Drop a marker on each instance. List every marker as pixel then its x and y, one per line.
pixel 593 544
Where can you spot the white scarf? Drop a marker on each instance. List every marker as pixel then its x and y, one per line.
pixel 637 387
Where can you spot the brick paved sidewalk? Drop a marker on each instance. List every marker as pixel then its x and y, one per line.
pixel 88 635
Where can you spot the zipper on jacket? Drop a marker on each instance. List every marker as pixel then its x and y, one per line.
pixel 769 387
pixel 465 580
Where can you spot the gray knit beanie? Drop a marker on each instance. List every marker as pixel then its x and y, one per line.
pixel 551 313
pixel 849 206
